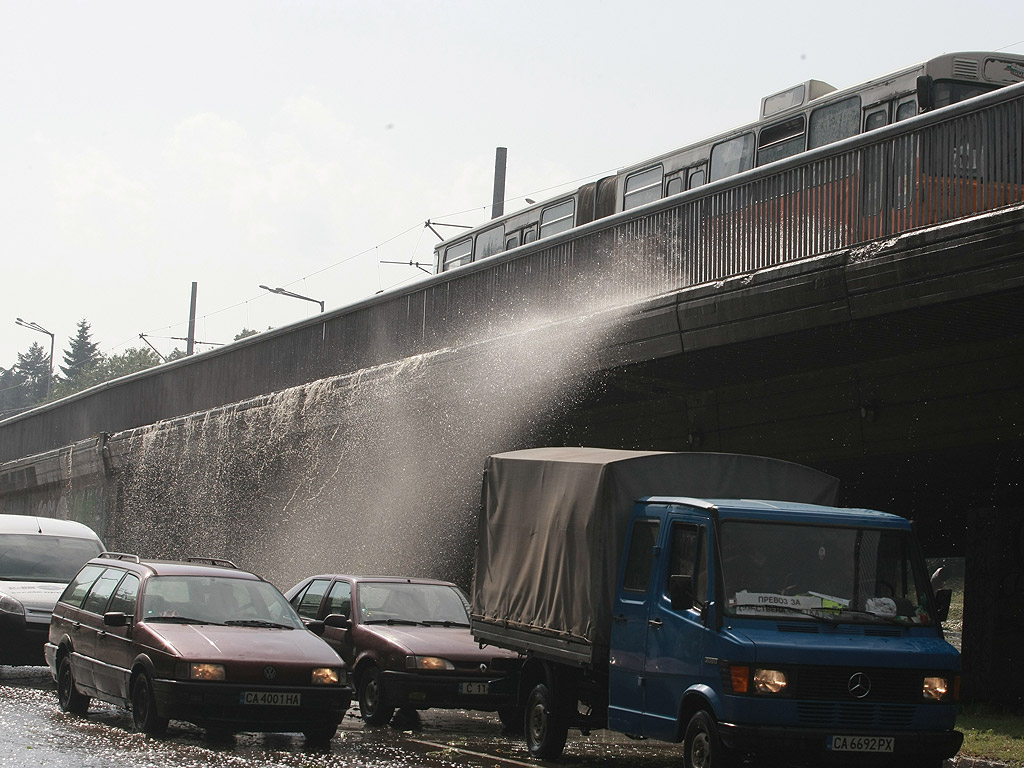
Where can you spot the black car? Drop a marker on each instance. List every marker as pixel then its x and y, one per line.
pixel 200 641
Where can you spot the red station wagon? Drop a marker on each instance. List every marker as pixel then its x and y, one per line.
pixel 200 641
pixel 407 645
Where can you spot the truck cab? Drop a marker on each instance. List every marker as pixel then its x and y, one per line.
pixel 791 629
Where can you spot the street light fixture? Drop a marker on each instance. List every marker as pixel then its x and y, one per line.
pixel 37 327
pixel 284 292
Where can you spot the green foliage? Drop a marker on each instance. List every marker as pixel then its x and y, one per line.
pixel 993 735
pixel 81 358
pixel 245 333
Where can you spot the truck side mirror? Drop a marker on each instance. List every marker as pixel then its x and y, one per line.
pixel 680 590
pixel 943 598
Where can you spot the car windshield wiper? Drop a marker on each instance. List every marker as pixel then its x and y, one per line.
pixel 391 622
pixel 445 623
pixel 177 620
pixel 256 623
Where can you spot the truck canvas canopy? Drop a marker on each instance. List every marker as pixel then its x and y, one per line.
pixel 553 572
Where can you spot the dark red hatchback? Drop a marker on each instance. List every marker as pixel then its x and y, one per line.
pixel 407 645
pixel 200 641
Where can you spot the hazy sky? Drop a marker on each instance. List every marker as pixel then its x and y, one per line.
pixel 299 143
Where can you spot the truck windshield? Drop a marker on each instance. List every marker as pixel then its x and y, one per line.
pixel 825 573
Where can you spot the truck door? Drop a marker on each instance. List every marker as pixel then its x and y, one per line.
pixel 629 627
pixel 675 636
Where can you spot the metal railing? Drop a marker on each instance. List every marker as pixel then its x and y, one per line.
pixel 949 164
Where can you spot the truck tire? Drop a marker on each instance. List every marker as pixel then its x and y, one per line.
pixel 702 747
pixel 547 725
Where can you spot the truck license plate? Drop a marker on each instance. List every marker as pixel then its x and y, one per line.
pixel 473 689
pixel 862 743
pixel 272 698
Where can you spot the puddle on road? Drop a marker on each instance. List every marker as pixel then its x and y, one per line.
pixel 36 732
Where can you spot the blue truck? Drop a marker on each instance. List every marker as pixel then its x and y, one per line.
pixel 717 600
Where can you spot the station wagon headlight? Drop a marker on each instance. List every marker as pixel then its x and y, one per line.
pixel 326 676
pixel 9 605
pixel 206 671
pixel 428 662
pixel 769 680
pixel 935 688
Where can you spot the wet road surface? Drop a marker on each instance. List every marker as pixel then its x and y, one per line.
pixel 36 733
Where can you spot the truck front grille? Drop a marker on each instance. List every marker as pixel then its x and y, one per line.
pixel 826 714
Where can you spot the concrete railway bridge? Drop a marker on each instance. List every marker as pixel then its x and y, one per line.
pixel 857 308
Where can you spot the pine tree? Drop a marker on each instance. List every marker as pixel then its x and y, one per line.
pixel 34 368
pixel 81 356
pixel 14 395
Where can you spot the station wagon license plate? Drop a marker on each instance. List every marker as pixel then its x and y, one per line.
pixel 272 698
pixel 473 689
pixel 862 743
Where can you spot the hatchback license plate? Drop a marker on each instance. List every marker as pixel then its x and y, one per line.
pixel 473 689
pixel 272 698
pixel 862 743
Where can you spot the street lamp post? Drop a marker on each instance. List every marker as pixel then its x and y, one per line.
pixel 37 327
pixel 284 292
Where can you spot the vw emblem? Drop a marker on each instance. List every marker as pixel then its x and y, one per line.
pixel 859 685
pixel 269 672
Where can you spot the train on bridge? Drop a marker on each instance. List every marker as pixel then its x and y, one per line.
pixel 799 119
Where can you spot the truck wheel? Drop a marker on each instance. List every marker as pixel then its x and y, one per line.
pixel 547 726
pixel 373 704
pixel 702 747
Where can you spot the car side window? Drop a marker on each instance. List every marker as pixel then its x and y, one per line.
pixel 102 589
pixel 79 587
pixel 339 600
pixel 310 599
pixel 125 595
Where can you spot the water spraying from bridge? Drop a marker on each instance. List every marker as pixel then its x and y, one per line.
pixel 377 471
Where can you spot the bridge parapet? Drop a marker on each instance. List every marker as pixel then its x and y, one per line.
pixel 954 163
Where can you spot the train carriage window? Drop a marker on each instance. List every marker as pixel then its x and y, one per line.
pixel 877 119
pixel 512 242
pixel 834 122
pixel 529 235
pixel 457 254
pixel 906 109
pixel 781 140
pixel 489 242
pixel 698 178
pixel 674 186
pixel 643 187
pixel 557 218
pixel 732 156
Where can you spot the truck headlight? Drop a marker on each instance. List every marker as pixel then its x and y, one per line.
pixel 326 676
pixel 9 605
pixel 935 688
pixel 428 662
pixel 769 680
pixel 206 671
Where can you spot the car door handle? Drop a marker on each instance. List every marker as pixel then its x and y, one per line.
pixel 654 623
pixel 76 625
